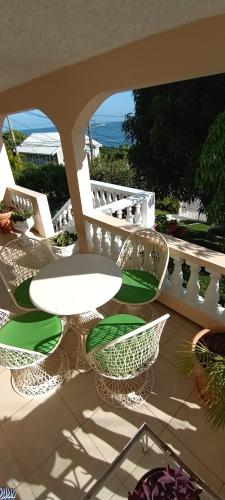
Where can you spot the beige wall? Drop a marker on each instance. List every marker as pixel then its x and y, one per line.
pixel 6 176
pixel 71 95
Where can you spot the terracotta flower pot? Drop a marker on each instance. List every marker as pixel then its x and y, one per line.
pixel 5 222
pixel 201 375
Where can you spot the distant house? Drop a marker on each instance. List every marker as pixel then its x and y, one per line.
pixel 46 147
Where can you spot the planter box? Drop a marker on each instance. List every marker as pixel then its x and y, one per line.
pixel 65 251
pixel 25 225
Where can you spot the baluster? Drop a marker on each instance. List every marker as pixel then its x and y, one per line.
pixel 109 197
pixel 105 243
pixel 89 235
pixel 65 217
pixel 192 295
pixel 93 198
pixel 60 221
pixel 137 215
pixel 96 239
pixel 102 199
pixel 115 246
pixel 212 294
pixel 70 212
pixel 97 200
pixel 119 214
pixel 177 278
pixel 166 282
pixel 114 196
pixel 129 217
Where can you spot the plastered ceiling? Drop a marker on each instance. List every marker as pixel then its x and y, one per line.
pixel 40 36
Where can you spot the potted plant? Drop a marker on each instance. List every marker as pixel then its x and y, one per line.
pixel 205 357
pixel 166 483
pixel 23 219
pixel 64 243
pixel 5 217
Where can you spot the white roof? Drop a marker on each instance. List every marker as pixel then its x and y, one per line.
pixel 46 143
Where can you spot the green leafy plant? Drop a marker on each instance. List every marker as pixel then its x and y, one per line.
pixel 4 208
pixel 20 215
pixel 192 358
pixel 64 239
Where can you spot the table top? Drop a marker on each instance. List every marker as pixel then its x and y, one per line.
pixel 76 284
pixel 148 451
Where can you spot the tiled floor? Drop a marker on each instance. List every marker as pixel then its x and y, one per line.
pixel 55 447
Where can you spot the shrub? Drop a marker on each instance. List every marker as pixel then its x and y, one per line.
pixel 170 204
pixel 4 208
pixel 20 214
pixel 64 239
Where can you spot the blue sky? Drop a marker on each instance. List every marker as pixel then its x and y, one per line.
pixel 113 109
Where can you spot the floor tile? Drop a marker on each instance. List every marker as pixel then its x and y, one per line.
pixel 175 343
pixel 170 329
pixel 24 492
pixel 70 471
pixel 222 491
pixel 169 391
pixel 36 430
pixel 10 473
pixel 11 401
pixel 191 428
pixel 193 462
pixel 80 395
pixel 112 428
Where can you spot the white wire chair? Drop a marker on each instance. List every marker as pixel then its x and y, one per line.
pixel 20 260
pixel 33 373
pixel 145 251
pixel 123 374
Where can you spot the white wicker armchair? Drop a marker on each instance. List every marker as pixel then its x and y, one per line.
pixel 122 365
pixel 143 260
pixel 29 347
pixel 20 260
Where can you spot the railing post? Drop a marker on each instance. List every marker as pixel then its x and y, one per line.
pixel 212 294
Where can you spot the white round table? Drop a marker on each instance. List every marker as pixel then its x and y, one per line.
pixel 76 284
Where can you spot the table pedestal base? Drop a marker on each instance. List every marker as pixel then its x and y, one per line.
pixel 82 324
pixel 125 393
pixel 42 378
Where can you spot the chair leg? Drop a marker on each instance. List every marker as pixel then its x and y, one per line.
pixel 125 393
pixel 42 378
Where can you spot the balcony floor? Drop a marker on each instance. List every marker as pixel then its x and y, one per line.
pixel 55 447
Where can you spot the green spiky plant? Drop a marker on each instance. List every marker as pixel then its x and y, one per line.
pixel 213 365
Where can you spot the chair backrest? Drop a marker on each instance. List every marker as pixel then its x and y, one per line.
pixel 145 249
pixel 131 354
pixel 21 258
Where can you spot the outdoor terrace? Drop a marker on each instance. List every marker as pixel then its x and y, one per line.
pixel 55 447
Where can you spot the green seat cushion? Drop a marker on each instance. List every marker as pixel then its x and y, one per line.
pixel 21 294
pixel 137 286
pixel 35 331
pixel 111 328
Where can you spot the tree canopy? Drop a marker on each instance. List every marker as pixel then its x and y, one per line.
pixel 210 176
pixel 168 130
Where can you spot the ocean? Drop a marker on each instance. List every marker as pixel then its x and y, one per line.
pixel 107 133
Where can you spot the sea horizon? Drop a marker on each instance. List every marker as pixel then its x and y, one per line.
pixel 109 134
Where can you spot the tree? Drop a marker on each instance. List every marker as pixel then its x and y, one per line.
pixel 49 179
pixel 112 170
pixel 167 132
pixel 16 161
pixel 210 176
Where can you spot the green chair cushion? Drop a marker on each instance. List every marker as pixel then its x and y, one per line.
pixel 21 294
pixel 34 331
pixel 137 286
pixel 111 328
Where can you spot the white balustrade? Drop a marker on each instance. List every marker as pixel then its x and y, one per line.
pixel 108 238
pixel 28 199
